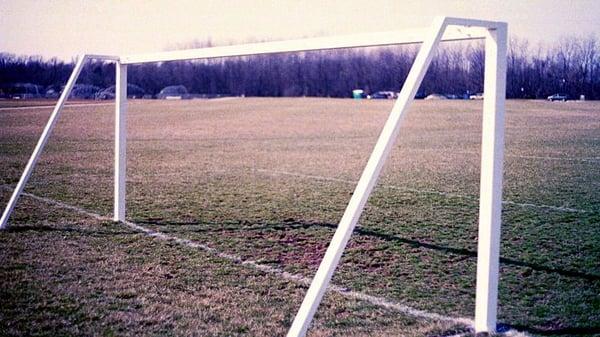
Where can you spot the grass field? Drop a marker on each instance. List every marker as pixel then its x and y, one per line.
pixel 241 198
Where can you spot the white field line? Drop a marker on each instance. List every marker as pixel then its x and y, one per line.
pixel 134 177
pixel 52 106
pixel 584 159
pixel 445 194
pixel 378 301
pixel 222 99
pixel 29 107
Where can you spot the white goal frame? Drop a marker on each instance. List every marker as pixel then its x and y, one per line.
pixel 492 146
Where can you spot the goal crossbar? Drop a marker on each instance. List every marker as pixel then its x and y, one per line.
pixel 443 29
pixel 400 37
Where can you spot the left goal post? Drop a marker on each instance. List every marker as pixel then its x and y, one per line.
pixel 46 134
pixel 120 141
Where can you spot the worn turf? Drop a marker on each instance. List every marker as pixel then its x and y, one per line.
pixel 268 180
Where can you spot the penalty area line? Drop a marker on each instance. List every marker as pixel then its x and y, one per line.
pixel 418 191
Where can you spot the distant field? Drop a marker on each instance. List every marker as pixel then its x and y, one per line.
pixel 264 181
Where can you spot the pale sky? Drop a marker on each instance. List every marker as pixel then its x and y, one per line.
pixel 65 28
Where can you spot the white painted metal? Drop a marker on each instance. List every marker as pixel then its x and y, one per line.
pixel 366 183
pixel 102 57
pixel 321 43
pixel 120 141
pixel 490 200
pixel 46 133
pixel 41 142
pixel 472 23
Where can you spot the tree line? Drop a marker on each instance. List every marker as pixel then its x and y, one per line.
pixel 571 66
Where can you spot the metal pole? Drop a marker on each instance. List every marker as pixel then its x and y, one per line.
pixel 473 31
pixel 366 183
pixel 120 141
pixel 42 142
pixel 490 201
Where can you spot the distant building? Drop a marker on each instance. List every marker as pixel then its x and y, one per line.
pixel 22 91
pixel 173 92
pixel 133 91
pixel 52 93
pixel 84 91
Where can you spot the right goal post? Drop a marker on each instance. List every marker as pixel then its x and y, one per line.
pixel 490 204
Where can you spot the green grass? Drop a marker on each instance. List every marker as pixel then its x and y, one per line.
pixel 212 172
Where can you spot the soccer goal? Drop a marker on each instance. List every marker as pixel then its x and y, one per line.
pixel 443 29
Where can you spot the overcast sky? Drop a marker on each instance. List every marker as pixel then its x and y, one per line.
pixel 65 28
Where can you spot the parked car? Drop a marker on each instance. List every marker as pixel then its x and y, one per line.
pixel 419 95
pixel 478 95
pixel 558 97
pixel 22 90
pixel 383 95
pixel 435 97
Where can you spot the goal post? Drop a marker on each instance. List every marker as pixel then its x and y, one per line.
pixel 48 130
pixel 491 176
pixel 490 195
pixel 443 29
pixel 120 170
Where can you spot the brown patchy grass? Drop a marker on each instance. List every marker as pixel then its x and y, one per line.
pixel 193 173
pixel 74 276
